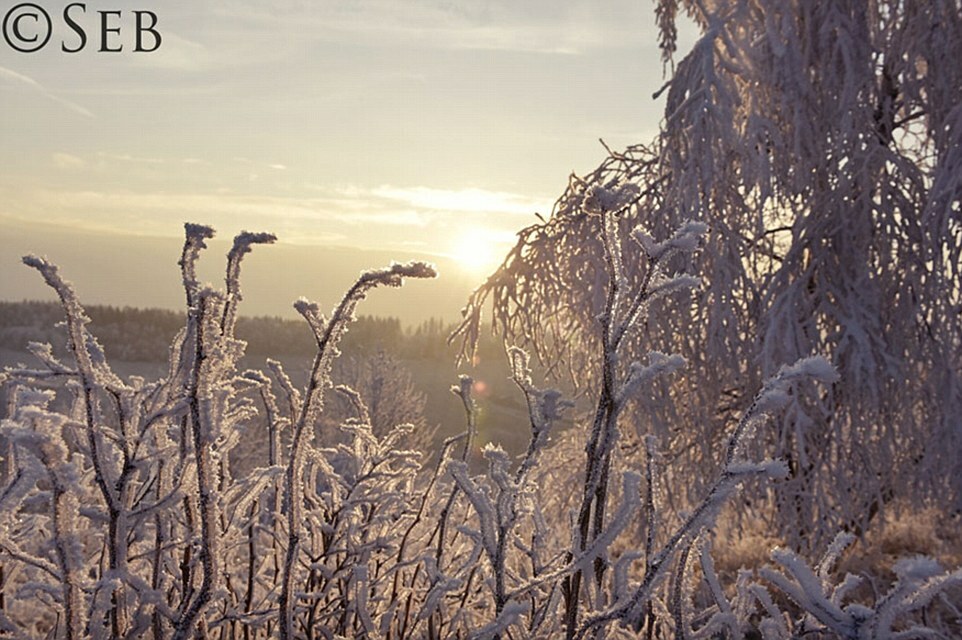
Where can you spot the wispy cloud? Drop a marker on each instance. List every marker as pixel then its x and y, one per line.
pixel 382 217
pixel 126 157
pixel 539 26
pixel 10 76
pixel 469 200
pixel 67 161
pixel 321 219
pixel 177 53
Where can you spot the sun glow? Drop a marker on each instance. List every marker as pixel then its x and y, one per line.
pixel 477 251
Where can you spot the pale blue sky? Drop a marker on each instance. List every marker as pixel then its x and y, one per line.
pixel 378 124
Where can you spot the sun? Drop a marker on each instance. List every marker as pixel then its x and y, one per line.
pixel 475 251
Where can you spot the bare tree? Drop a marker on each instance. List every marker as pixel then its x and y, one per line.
pixel 822 145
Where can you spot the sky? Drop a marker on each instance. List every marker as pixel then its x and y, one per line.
pixel 353 129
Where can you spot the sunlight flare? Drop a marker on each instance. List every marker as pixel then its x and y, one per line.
pixel 479 251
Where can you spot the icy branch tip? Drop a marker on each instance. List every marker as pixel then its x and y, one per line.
pixel 208 292
pixel 393 275
pixel 198 231
pixel 916 569
pixel 685 238
pixel 816 367
pixel 603 198
pixel 661 360
pixel 303 305
pixel 518 359
pixel 692 227
pixel 244 240
pixel 415 269
pixel 493 451
pixel 256 376
pixel 49 271
pixel 35 261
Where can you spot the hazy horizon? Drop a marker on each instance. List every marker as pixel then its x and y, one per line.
pixel 273 276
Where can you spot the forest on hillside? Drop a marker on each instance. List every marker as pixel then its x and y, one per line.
pixel 144 335
pixel 378 353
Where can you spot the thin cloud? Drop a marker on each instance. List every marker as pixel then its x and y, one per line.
pixel 537 26
pixel 12 77
pixel 177 53
pixel 126 157
pixel 381 217
pixel 129 209
pixel 67 161
pixel 466 200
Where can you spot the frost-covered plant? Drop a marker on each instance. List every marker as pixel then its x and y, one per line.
pixel 820 141
pixel 327 333
pixel 820 600
pixel 126 520
pixel 390 392
pixel 637 597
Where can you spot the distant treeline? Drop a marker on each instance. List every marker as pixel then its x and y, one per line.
pixel 144 335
